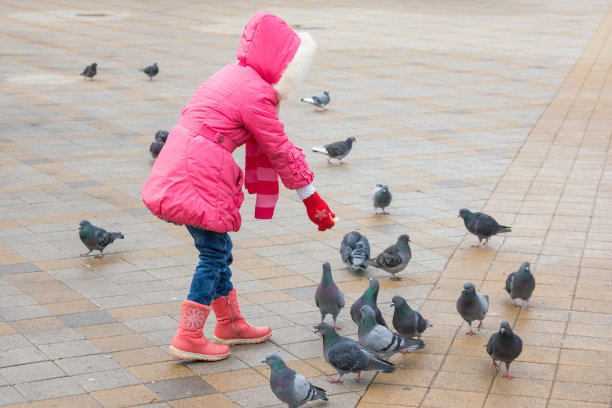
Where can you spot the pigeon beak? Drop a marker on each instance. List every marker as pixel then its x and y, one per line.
pixel 263 361
pixel 502 330
pixel 78 228
pixel 392 305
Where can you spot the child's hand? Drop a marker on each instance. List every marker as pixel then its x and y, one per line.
pixel 318 211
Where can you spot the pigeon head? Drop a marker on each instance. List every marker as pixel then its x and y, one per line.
pixel 84 223
pixel 403 239
pixel 525 267
pixel 384 188
pixel 465 214
pixel 94 65
pixel 398 301
pixel 368 317
pixel 327 275
pixel 324 329
pixel 505 330
pixel 161 135
pixel 374 285
pixel 276 363
pixel 468 288
pixel 350 140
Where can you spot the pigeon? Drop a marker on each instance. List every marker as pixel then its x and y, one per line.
pixel 381 341
pixel 381 198
pixel 156 148
pixel 504 346
pixel 336 150
pixel 520 284
pixel 96 238
pixel 482 225
pixel 368 298
pixel 290 387
pixel 160 140
pixel 318 101
pixel 395 258
pixel 407 322
pixel 347 356
pixel 472 305
pixel 355 249
pixel 161 135
pixel 329 297
pixel 151 71
pixel 90 71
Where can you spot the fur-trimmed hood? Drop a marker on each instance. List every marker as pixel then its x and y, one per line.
pixel 278 54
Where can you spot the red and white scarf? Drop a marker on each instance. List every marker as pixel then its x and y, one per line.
pixel 260 179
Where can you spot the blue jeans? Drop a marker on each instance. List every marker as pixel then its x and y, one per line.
pixel 212 274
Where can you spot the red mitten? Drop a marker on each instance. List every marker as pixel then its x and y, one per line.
pixel 319 212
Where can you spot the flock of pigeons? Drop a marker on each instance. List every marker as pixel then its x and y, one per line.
pixel 377 341
pixel 91 71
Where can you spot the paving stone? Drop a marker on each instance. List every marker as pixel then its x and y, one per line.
pixel 87 364
pixel 182 388
pixel 103 380
pixel 32 372
pixel 87 318
pixel 47 389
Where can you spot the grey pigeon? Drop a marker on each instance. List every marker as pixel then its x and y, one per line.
pixel 381 341
pixel 521 284
pixel 407 322
pixel 355 249
pixel 381 198
pixel 318 101
pixel 368 298
pixel 156 148
pixel 96 238
pixel 160 140
pixel 161 135
pixel 504 346
pixel 90 71
pixel 395 258
pixel 472 305
pixel 482 225
pixel 290 387
pixel 151 71
pixel 347 356
pixel 329 297
pixel 336 150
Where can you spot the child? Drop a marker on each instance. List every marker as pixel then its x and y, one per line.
pixel 196 182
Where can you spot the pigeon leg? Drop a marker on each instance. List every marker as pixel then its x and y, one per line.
pixel 87 254
pixel 495 365
pixel 528 306
pixel 486 241
pixel 476 246
pixel 480 325
pixel 470 332
pixel 515 305
pixel 336 327
pixel 359 379
pixel 507 374
pixel 341 162
pixel 337 380
pixel 100 255
pixel 395 277
pixel 405 351
pixel 328 160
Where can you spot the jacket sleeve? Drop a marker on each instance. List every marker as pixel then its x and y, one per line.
pixel 260 119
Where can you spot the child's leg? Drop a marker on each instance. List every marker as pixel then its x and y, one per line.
pixel 213 266
pixel 189 341
pixel 224 284
pixel 231 327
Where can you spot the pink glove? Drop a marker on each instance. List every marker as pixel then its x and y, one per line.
pixel 318 211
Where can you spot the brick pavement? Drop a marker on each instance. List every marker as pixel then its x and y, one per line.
pixel 501 106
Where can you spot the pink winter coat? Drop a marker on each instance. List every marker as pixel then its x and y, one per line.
pixel 195 180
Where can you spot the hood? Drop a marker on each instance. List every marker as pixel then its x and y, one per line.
pixel 278 54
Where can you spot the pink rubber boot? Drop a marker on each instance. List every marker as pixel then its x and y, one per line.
pixel 189 342
pixel 231 328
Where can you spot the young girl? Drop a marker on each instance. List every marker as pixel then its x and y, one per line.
pixel 196 182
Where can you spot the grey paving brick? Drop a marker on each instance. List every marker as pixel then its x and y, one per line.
pixel 87 364
pixel 151 324
pixel 21 356
pixel 182 388
pixel 102 380
pixel 9 395
pixel 32 372
pixel 47 389
pixel 53 336
pixel 68 349
pixel 18 268
pixel 87 318
pixel 13 341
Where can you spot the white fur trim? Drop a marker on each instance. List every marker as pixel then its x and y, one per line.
pixel 305 192
pixel 298 67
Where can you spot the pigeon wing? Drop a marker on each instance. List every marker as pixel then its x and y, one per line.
pixel 509 282
pixel 336 148
pixel 348 356
pixel 390 257
pixel 485 225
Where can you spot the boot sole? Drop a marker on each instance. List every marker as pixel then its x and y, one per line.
pixel 231 342
pixel 185 355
